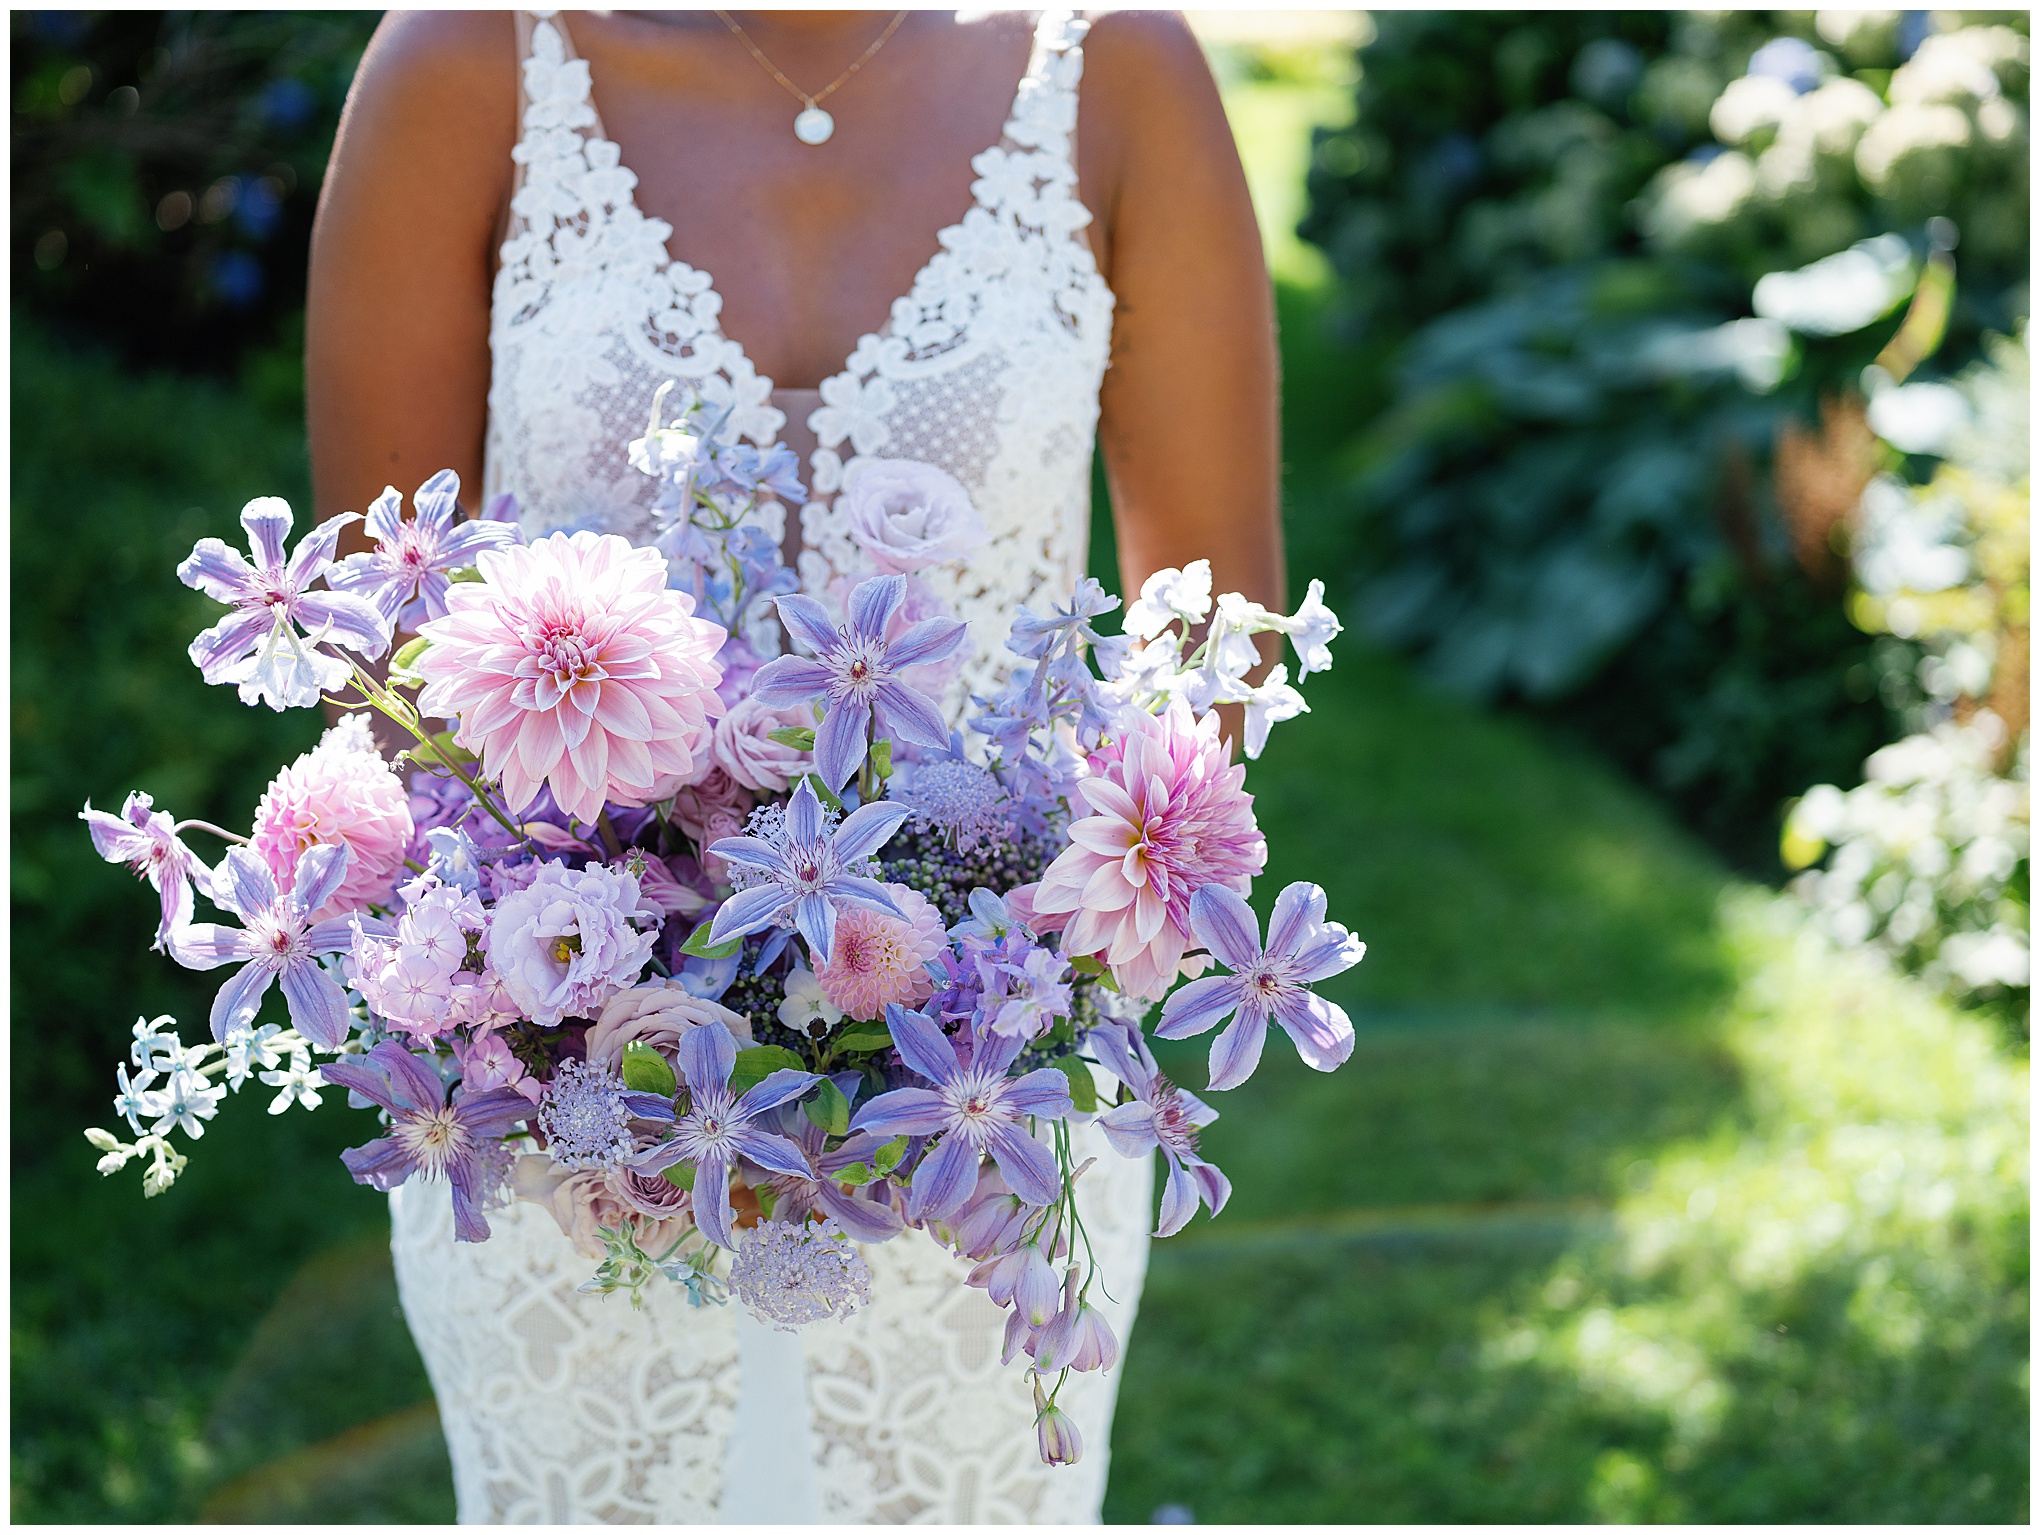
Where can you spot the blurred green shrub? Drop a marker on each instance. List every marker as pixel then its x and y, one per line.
pixel 166 166
pixel 1572 501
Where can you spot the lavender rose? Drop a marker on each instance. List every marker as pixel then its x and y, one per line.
pixel 745 750
pixel 566 944
pixel 908 515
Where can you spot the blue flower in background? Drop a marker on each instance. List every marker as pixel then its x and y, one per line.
pixel 288 103
pixel 238 279
pixel 1790 59
pixel 259 207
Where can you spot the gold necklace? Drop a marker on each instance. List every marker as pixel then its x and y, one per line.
pixel 811 125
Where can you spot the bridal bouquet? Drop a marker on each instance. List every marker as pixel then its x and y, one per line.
pixel 731 958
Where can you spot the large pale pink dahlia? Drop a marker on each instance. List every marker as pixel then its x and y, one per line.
pixel 341 791
pixel 1169 816
pixel 570 664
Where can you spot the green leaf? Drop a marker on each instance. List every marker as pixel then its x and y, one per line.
pixel 855 1176
pixel 468 574
pixel 799 737
pixel 403 665
pixel 697 944
pixel 889 1155
pixel 823 792
pixel 1083 1087
pixel 761 1061
pixel 866 1036
pixel 1087 964
pixel 646 1071
pixel 681 1176
pixel 829 1109
pixel 767 1201
pixel 881 758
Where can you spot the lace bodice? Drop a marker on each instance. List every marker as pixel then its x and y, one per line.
pixel 989 367
pixel 561 1407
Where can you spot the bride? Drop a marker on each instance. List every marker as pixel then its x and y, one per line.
pixel 984 241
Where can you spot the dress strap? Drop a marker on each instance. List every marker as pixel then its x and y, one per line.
pixel 1045 107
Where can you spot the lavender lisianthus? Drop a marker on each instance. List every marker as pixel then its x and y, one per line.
pixel 976 1109
pixel 805 873
pixel 145 839
pixel 568 941
pixel 1267 983
pixel 906 515
pixel 857 671
pixel 259 646
pixel 717 1128
pixel 279 943
pixel 427 1135
pixel 407 575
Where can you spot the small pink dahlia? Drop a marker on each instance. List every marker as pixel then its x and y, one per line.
pixel 570 664
pixel 879 959
pixel 1169 817
pixel 341 791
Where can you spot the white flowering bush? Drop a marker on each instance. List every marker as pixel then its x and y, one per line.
pixel 1928 858
pixel 1804 144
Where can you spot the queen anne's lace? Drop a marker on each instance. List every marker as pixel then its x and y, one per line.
pixel 559 1407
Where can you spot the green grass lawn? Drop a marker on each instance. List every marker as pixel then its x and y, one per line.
pixel 1634 1203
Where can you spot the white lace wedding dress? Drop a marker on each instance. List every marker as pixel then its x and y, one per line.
pixel 560 1407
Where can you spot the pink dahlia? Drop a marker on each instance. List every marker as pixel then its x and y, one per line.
pixel 341 791
pixel 570 664
pixel 1169 816
pixel 878 959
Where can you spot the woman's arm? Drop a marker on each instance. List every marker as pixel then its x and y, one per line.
pixel 1190 410
pixel 397 323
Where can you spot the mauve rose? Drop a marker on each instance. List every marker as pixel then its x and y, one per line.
pixel 653 1197
pixel 584 1202
pixel 693 805
pixel 907 515
pixel 657 1013
pixel 745 750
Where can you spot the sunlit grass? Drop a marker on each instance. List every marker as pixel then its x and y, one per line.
pixel 1806 1301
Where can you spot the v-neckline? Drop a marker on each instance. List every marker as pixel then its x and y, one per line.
pixel 1036 58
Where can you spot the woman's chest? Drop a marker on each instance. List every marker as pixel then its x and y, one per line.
pixel 809 247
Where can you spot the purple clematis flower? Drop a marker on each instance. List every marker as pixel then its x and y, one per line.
pixel 258 646
pixel 717 1129
pixel 1163 1115
pixel 1267 983
pixel 427 1134
pixel 859 673
pixel 806 871
pixel 976 1108
pixel 408 575
pixel 279 943
pixel 145 839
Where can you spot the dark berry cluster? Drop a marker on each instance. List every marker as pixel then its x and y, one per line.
pixel 920 859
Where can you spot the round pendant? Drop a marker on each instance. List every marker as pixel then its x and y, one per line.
pixel 813 126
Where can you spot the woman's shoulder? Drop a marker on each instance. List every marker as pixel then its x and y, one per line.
pixel 1148 48
pixel 450 71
